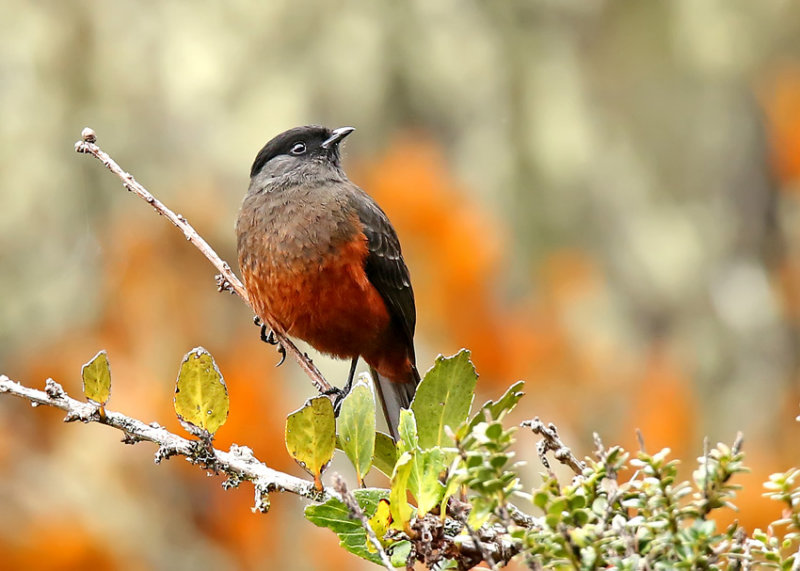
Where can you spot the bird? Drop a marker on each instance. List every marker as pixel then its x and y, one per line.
pixel 321 262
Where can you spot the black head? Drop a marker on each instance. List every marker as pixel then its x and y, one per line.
pixel 296 146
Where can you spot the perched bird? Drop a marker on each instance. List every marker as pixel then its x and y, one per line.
pixel 321 262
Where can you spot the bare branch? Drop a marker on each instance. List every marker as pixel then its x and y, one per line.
pixel 227 280
pixel 238 464
pixel 551 441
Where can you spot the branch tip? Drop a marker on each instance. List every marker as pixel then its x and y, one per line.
pixel 551 442
pixel 738 442
pixel 88 135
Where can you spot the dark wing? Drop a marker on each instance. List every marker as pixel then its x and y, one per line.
pixel 385 266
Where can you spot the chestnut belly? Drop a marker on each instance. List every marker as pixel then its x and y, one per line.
pixel 331 305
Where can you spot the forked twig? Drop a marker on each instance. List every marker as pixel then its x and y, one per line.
pixel 551 442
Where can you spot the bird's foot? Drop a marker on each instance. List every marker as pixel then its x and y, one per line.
pixel 268 336
pixel 344 391
pixel 338 398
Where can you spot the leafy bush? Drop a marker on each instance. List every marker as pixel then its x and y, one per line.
pixel 460 470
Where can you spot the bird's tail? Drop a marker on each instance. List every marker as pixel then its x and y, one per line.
pixel 395 396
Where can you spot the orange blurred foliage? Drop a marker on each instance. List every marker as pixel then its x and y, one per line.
pixel 664 407
pixel 56 545
pixel 780 98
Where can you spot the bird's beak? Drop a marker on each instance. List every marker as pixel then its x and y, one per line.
pixel 336 136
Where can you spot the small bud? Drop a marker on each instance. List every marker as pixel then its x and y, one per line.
pixel 88 135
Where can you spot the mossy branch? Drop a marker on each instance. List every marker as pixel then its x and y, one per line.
pixel 238 463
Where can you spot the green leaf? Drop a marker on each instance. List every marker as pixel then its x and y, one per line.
pixel 426 465
pixel 444 398
pixel 401 510
pixel 482 508
pixel 424 482
pixel 356 427
pixel 401 550
pixel 97 379
pixel 504 405
pixel 201 397
pixel 334 515
pixel 311 436
pixel 385 453
pixel 407 429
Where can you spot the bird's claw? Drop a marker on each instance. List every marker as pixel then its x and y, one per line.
pixel 268 336
pixel 282 351
pixel 340 394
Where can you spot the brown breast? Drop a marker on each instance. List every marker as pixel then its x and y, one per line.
pixel 302 258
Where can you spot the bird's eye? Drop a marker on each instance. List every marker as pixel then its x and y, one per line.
pixel 298 148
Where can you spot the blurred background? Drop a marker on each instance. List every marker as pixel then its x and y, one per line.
pixel 599 197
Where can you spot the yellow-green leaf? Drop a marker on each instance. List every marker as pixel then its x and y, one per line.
pixel 407 428
pixel 400 508
pixel 356 427
pixel 426 465
pixel 385 453
pixel 201 397
pixel 97 379
pixel 380 522
pixel 311 436
pixel 424 482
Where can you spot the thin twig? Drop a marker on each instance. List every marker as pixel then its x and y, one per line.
pixel 551 441
pixel 238 464
pixel 640 438
pixel 228 279
pixel 737 443
pixel 356 512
